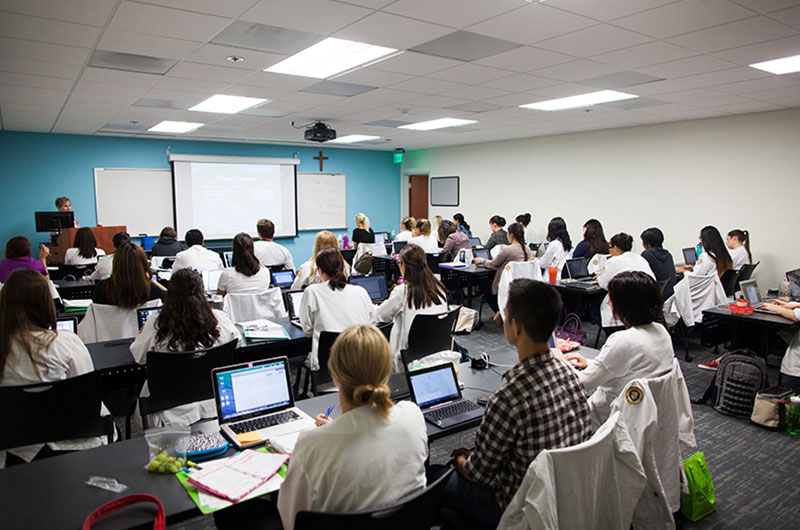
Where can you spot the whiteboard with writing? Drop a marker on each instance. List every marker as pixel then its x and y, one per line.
pixel 321 201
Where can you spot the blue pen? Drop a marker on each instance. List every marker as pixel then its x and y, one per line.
pixel 328 413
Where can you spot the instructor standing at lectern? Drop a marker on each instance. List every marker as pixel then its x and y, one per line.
pixel 64 204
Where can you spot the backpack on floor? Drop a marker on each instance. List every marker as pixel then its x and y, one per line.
pixel 741 374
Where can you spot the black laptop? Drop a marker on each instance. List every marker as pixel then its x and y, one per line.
pixel 143 314
pixel 578 271
pixel 436 391
pixel 399 245
pixel 282 279
pixel 690 256
pixel 374 284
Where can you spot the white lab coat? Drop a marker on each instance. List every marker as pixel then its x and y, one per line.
pixel 405 235
pixel 530 235
pixel 199 258
pixel 306 277
pixel 110 322
pixel 739 257
pixel 356 462
pixel 791 360
pixel 232 281
pixel 244 307
pixel 555 256
pixel 271 254
pixel 428 243
pixel 627 261
pixel 704 266
pixel 515 270
pixel 692 296
pixel 396 310
pixel 325 309
pixel 71 257
pixel 105 265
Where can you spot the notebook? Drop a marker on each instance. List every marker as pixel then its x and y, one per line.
pixel 67 324
pixel 293 299
pixel 145 313
pixel 211 280
pixel 375 286
pixel 255 403
pixel 690 256
pixel 282 279
pixel 228 258
pixel 436 391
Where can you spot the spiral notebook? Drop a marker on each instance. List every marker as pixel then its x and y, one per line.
pixel 240 475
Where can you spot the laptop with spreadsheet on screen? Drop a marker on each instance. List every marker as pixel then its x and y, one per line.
pixel 436 391
pixel 375 286
pixel 255 403
pixel 211 280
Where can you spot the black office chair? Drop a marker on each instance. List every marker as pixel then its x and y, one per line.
pixel 178 378
pixel 747 271
pixel 51 412
pixel 729 280
pixel 73 272
pixel 429 334
pixel 417 511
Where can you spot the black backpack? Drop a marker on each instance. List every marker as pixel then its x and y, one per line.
pixel 741 374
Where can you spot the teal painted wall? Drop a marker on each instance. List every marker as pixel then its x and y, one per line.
pixel 36 168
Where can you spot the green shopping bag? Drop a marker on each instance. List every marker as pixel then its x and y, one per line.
pixel 700 500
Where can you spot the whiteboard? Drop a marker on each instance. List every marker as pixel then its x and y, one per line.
pixel 321 201
pixel 140 199
pixel 444 191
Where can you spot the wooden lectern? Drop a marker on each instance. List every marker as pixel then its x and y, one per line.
pixel 103 234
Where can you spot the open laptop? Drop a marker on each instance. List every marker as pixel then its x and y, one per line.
pixel 227 256
pixel 381 237
pixel 689 256
pixel 436 391
pixel 282 279
pixel 578 271
pixel 481 253
pixel 374 284
pixel 211 280
pixel 143 314
pixel 67 324
pixel 293 299
pixel 793 277
pixel 750 291
pixel 256 398
pixel 399 245
pixel 475 241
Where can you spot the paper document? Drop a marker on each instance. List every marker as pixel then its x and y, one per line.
pixel 239 475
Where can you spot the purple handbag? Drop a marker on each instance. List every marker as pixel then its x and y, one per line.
pixel 571 329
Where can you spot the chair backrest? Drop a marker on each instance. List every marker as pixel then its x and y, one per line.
pixel 386 329
pixel 178 378
pixel 747 271
pixel 326 340
pixel 496 250
pixel 729 280
pixel 429 334
pixel 434 259
pixel 107 322
pixel 244 307
pixel 416 511
pixel 73 272
pixel 513 271
pixel 51 412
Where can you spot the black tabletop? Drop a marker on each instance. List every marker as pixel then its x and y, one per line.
pixel 772 319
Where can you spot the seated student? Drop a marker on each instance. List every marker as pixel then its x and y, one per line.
pixel 593 242
pixel 130 284
pixel 790 366
pixel 435 222
pixel 525 220
pixel 373 454
pixel 516 250
pixel 738 242
pixel 197 257
pixel 167 244
pixel 307 273
pixel 499 236
pixel 642 350
pixel 269 253
pixel 419 294
pixel 247 275
pixel 31 353
pixel 407 226
pixel 541 406
pixel 622 259
pixel 83 251
pixel 105 264
pixel 423 236
pixel 187 322
pixel 452 239
pixel 333 304
pixel 714 258
pixel 559 246
pixel 659 259
pixel 18 256
pixel 461 224
pixel 362 233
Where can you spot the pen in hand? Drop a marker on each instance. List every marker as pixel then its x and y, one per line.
pixel 328 412
pixel 322 419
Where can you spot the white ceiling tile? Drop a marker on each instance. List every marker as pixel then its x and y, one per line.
pixel 33 91
pixel 525 59
pixel 763 51
pixel 520 83
pixel 76 127
pixel 689 66
pixel 414 63
pixel 93 87
pixel 46 30
pixel 117 40
pixel 427 86
pixel 532 23
pixel 47 69
pixel 92 12
pixel 645 54
pixel 192 85
pixel 29 103
pixel 255 92
pixel 790 17
pixel 42 51
pixel 753 106
pixel 387 95
pixel 437 101
pixel 576 70
pixel 155 20
pixel 279 81
pixel 514 100
pixel 119 77
pixel 721 77
pixel 454 13
pixel 683 17
pixel 475 93
pixel 689 95
pixel 315 16
pixel 775 93
pixel 557 91
pixel 217 54
pixel 470 74
pixel 719 100
pixel 306 98
pixel 28 80
pixel 608 10
pixel 766 6
pixel 793 101
pixel 241 120
pixel 28 121
pixel 594 40
pixel 228 8
pixel 756 85
pixel 394 31
pixel 735 34
pixel 111 98
pixel 207 72
pixel 371 77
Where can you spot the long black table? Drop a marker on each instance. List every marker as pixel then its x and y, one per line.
pixel 765 324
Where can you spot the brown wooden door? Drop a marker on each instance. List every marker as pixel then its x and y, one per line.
pixel 418 196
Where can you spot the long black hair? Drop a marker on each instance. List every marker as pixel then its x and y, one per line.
pixel 186 321
pixel 595 238
pixel 460 218
pixel 85 242
pixel 715 247
pixel 557 229
pixel 518 231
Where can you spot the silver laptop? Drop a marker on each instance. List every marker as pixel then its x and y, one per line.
pixel 750 291
pixel 256 399
pixel 436 391
pixel 293 299
pixel 211 280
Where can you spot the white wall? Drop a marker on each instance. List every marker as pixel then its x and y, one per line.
pixel 732 172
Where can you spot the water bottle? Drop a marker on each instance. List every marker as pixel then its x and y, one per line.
pixel 339 240
pixel 393 234
pixel 698 249
pixel 468 257
pixel 345 242
pixel 793 416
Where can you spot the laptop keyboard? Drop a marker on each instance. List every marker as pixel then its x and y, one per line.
pixel 459 407
pixel 264 421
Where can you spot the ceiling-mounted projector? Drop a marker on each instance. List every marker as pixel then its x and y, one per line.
pixel 320 132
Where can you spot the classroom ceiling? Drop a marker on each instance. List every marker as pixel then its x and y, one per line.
pixel 470 59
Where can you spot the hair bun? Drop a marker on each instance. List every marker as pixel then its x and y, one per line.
pixel 368 394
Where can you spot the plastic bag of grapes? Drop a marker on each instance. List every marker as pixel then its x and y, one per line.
pixel 167 447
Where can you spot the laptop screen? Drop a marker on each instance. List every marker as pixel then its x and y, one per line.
pixel 577 268
pixel 228 256
pixel 793 278
pixel 689 256
pixel 375 286
pixel 475 241
pixel 67 324
pixel 433 385
pixel 283 278
pixel 252 388
pixel 295 297
pixel 143 314
pixel 399 245
pixel 380 237
pixel 211 280
pixel 750 290
pixel 481 253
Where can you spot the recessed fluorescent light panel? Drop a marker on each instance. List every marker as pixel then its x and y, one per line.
pixel 437 124
pixel 787 65
pixel 353 138
pixel 329 57
pixel 175 127
pixel 583 100
pixel 227 104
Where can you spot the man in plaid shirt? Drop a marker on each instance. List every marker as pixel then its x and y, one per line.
pixel 541 406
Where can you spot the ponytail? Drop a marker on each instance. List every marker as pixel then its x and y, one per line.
pixel 377 396
pixel 518 232
pixel 744 238
pixel 330 261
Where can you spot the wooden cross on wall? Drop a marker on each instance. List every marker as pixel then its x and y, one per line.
pixel 320 158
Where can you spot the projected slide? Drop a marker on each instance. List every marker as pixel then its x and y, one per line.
pixel 223 199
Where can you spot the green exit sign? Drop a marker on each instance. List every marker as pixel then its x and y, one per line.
pixel 399 155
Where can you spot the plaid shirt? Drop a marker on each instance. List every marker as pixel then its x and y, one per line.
pixel 542 406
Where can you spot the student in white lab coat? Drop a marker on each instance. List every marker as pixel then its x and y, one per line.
pixel 268 252
pixel 333 304
pixel 247 275
pixel 419 294
pixel 423 236
pixel 642 350
pixel 738 243
pixel 714 258
pixel 389 441
pixel 187 322
pixel 197 257
pixel 622 259
pixel 307 273
pixel 84 249
pixel 105 264
pixel 790 366
pixel 407 225
pixel 559 248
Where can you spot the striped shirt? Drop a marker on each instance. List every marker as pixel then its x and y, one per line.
pixel 542 406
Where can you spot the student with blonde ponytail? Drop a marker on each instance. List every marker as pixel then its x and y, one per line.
pixel 363 233
pixel 373 454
